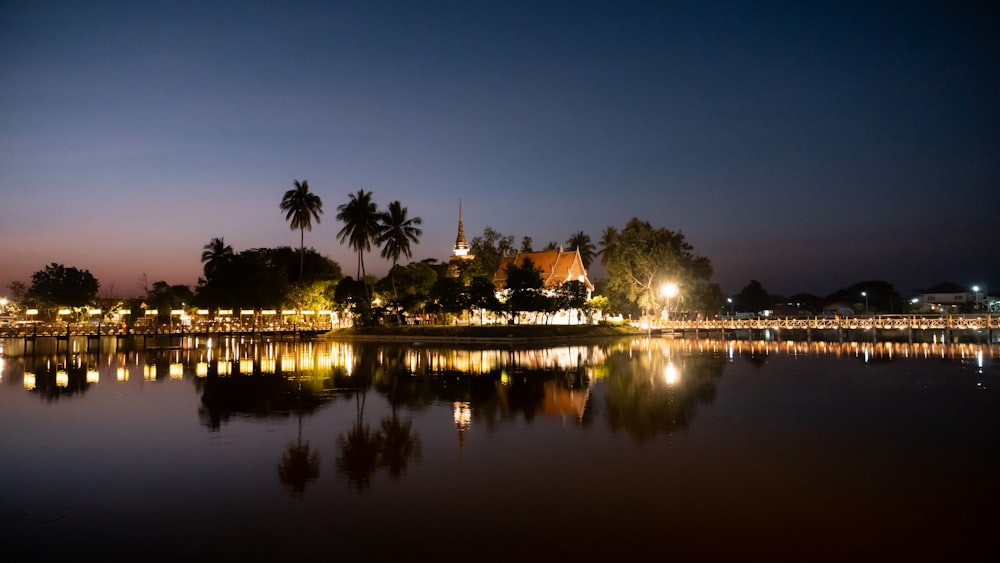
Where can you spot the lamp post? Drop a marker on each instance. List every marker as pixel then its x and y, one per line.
pixel 865 295
pixel 668 290
pixel 975 289
pixel 732 312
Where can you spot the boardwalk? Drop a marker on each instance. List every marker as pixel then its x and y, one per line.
pixel 946 328
pixel 886 322
pixel 73 330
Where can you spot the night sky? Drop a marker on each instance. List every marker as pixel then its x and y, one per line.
pixel 807 145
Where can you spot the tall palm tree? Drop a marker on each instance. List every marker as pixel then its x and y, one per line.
pixel 361 227
pixel 396 232
pixel 609 245
pixel 215 254
pixel 581 242
pixel 301 206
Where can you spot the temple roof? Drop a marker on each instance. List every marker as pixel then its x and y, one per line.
pixel 557 267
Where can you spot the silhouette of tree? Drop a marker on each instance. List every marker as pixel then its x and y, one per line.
pixel 359 449
pixel 301 206
pixel 400 443
pixel 57 285
pixel 580 241
pixel 361 227
pixel 396 232
pixel 753 298
pixel 525 283
pixel 299 465
pixel 215 255
pixel 489 249
pixel 609 245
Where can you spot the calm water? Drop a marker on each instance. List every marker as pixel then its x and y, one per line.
pixel 242 451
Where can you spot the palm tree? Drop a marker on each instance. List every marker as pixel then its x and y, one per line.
pixel 299 465
pixel 215 254
pixel 396 232
pixel 581 242
pixel 301 207
pixel 609 245
pixel 361 227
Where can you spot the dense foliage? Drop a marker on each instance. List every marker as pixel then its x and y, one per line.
pixel 58 285
pixel 640 259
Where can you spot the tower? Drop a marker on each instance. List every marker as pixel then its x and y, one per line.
pixel 461 246
pixel 461 251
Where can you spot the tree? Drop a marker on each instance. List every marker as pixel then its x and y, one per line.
pixel 753 298
pixel 525 283
pixel 253 278
pixel 572 295
pixel 489 249
pixel 396 232
pixel 581 241
pixel 165 297
pixel 361 226
pixel 410 285
pixel 301 206
pixel 644 258
pixel 18 290
pixel 882 296
pixel 609 245
pixel 483 296
pixel 215 255
pixel 57 285
pixel 526 243
pixel 317 266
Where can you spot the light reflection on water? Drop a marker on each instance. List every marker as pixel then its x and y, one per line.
pixel 690 447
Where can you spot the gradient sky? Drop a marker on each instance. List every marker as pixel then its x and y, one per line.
pixel 807 145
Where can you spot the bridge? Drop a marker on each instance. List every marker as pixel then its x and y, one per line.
pixel 844 327
pixel 88 330
pixel 881 322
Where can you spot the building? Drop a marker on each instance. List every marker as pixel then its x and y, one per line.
pixel 460 254
pixel 951 298
pixel 557 267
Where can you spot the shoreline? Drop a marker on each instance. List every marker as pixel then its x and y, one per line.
pixel 492 334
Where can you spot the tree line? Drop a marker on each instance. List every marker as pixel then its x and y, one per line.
pixel 638 259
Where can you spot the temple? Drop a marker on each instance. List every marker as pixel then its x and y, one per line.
pixel 557 267
pixel 460 253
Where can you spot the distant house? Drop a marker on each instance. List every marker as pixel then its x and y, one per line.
pixel 557 267
pixel 839 308
pixel 948 297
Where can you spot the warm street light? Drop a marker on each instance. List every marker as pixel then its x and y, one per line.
pixel 668 290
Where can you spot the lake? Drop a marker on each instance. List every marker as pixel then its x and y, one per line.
pixel 239 449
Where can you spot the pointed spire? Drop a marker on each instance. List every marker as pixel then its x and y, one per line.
pixel 461 246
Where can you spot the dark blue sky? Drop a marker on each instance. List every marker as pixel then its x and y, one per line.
pixel 807 145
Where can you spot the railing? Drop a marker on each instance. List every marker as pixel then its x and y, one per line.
pixel 883 322
pixel 86 329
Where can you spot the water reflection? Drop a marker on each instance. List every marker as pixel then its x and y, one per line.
pixel 650 386
pixel 886 447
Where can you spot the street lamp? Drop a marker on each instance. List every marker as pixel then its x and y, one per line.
pixel 668 290
pixel 731 307
pixel 975 289
pixel 865 295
